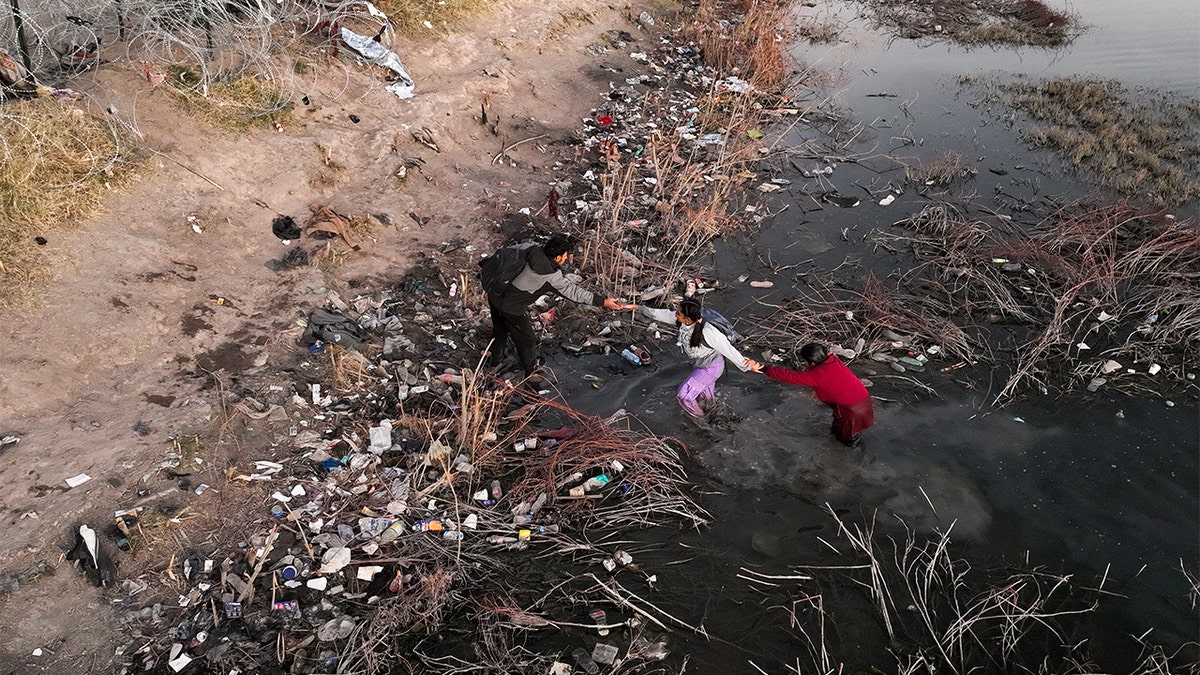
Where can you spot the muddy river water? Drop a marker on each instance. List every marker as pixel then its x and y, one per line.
pixel 1088 485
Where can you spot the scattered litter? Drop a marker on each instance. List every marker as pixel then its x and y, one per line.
pixel 77 480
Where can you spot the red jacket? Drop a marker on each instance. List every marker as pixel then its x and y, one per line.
pixel 832 381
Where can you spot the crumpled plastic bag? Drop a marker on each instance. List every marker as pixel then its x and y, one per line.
pixel 379 55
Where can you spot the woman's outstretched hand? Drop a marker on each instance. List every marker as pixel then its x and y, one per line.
pixel 754 366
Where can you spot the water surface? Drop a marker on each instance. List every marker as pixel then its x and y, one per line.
pixel 1088 485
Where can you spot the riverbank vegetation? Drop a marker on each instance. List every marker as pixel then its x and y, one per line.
pixel 1144 146
pixel 970 23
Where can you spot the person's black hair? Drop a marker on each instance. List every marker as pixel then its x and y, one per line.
pixel 558 245
pixel 814 353
pixel 690 307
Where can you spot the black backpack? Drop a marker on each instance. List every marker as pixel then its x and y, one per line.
pixel 498 270
pixel 722 324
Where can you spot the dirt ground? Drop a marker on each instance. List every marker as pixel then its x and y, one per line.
pixel 114 362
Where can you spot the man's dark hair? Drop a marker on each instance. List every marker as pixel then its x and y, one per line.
pixel 558 245
pixel 814 353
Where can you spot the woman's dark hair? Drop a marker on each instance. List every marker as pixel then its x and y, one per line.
pixel 814 353
pixel 690 308
pixel 558 245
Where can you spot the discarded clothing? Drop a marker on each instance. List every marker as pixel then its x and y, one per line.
pixel 325 219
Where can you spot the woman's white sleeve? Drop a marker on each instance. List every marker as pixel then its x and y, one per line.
pixel 660 315
pixel 717 340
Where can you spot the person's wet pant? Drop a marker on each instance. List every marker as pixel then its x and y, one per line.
pixel 518 327
pixel 700 385
pixel 851 420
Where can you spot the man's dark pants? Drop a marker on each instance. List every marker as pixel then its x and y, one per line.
pixel 519 327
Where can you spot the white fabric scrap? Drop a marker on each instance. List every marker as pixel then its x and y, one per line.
pixel 368 572
pixel 334 560
pixel 379 55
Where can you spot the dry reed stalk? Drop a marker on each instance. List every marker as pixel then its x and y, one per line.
pixel 1075 264
pixel 743 36
pixel 964 619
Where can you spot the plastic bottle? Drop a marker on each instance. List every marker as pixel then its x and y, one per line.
pixel 547 529
pixel 454 535
pixel 496 491
pixel 595 482
pixel 631 357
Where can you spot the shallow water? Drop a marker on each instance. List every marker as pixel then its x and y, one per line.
pixel 1091 485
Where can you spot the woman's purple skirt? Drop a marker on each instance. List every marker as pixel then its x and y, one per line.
pixel 701 384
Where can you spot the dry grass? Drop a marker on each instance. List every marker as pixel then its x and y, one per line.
pixel 942 171
pixel 408 17
pixel 819 31
pixel 744 38
pixel 668 201
pixel 56 163
pixel 1144 149
pixel 942 614
pixel 234 103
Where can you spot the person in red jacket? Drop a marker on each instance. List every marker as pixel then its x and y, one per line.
pixel 834 385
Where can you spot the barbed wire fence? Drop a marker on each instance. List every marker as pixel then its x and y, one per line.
pixel 56 39
pixel 61 142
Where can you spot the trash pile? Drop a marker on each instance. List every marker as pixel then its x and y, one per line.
pixel 670 148
pixel 407 489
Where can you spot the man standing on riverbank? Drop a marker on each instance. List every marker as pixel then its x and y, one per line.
pixel 540 271
pixel 835 386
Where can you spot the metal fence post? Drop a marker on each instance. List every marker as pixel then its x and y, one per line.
pixel 19 24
